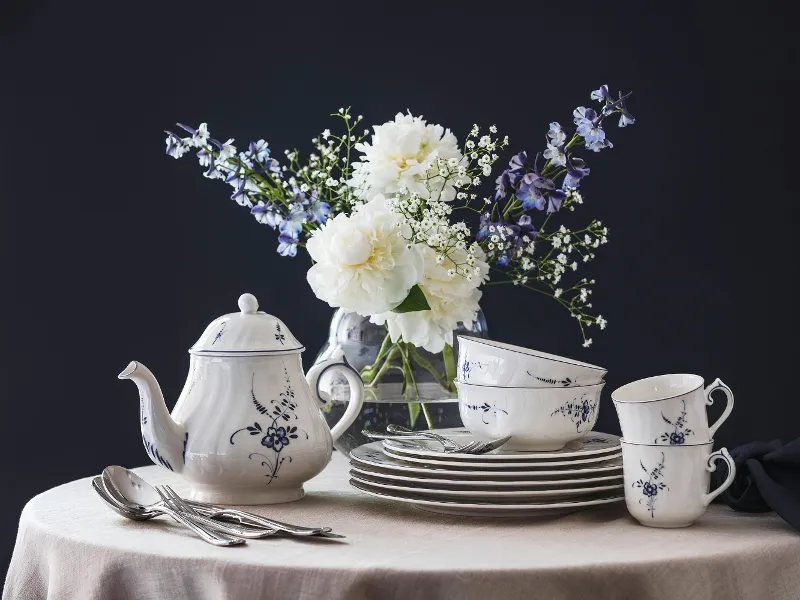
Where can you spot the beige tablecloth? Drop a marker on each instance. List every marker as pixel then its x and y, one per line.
pixel 71 546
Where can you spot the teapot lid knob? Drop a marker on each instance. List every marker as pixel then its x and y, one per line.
pixel 248 304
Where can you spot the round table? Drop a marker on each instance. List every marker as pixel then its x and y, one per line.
pixel 70 545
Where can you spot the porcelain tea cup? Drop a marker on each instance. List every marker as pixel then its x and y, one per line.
pixel 667 486
pixel 540 419
pixel 486 362
pixel 668 409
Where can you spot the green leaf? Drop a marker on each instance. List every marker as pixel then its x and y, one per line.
pixel 415 301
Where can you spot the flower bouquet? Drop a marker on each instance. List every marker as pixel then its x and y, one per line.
pixel 400 233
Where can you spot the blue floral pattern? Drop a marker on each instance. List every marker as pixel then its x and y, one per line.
pixel 677 436
pixel 566 382
pixel 279 335
pixel 580 410
pixel 277 436
pixel 487 409
pixel 652 485
pixel 220 333
pixel 155 455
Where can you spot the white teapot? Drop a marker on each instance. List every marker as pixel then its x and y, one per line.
pixel 247 427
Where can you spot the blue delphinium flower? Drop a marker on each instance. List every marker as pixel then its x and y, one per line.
pixel 287 243
pixel 506 182
pixel 293 223
pixel 576 170
pixel 556 155
pixel 601 94
pixel 266 214
pixel 317 209
pixel 530 195
pixel 556 134
pixel 625 118
pixel 554 200
pixel 519 162
pixel 259 150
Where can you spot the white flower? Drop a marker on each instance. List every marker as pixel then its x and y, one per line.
pixel 453 298
pixel 405 153
pixel 200 136
pixel 228 151
pixel 362 262
pixel 587 343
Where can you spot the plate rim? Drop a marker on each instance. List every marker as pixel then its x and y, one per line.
pixel 488 506
pixel 505 474
pixel 477 482
pixel 490 493
pixel 522 457
pixel 498 465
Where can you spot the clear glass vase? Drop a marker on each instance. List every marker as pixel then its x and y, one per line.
pixel 404 385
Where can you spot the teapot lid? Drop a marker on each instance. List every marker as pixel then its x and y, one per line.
pixel 249 332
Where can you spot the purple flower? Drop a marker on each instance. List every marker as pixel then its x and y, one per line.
pixel 530 195
pixel 576 170
pixel 506 182
pixel 556 134
pixel 483 230
pixel 318 210
pixel 519 162
pixel 259 150
pixel 554 200
pixel 266 215
pixel 287 244
pixel 601 94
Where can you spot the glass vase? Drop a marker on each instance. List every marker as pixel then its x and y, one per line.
pixel 404 385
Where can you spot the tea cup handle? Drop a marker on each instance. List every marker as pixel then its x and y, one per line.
pixel 721 454
pixel 339 363
pixel 718 385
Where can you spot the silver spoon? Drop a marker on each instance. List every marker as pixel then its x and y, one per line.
pixel 129 489
pixel 144 514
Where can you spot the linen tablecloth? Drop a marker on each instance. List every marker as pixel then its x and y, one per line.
pixel 70 545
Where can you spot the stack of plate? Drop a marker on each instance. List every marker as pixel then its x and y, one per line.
pixel 587 472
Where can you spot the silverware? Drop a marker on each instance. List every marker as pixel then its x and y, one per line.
pixel 445 442
pixel 141 514
pixel 450 446
pixel 176 503
pixel 248 518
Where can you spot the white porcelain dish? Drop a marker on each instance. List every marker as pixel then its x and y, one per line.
pixel 537 419
pixel 505 466
pixel 482 484
pixel 555 495
pixel 486 362
pixel 472 509
pixel 372 454
pixel 592 444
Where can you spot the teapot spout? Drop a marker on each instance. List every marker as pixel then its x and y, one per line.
pixel 163 438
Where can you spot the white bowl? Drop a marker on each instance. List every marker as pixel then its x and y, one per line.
pixel 486 362
pixel 535 418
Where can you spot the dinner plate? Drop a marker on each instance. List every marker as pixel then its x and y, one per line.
pixel 472 484
pixel 478 464
pixel 592 444
pixel 475 509
pixel 555 495
pixel 372 454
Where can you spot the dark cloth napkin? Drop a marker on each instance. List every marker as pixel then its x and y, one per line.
pixel 767 478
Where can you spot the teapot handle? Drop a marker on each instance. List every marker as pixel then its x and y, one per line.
pixel 338 362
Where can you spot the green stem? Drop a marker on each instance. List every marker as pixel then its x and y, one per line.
pixel 387 364
pixel 425 364
pixel 427 414
pixel 449 364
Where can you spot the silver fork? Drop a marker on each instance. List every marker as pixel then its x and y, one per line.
pixel 471 448
pixel 245 518
pixel 448 448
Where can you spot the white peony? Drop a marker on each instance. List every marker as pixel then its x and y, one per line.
pixel 452 300
pixel 404 153
pixel 363 264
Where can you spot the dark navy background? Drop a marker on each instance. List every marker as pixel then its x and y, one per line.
pixel 112 251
